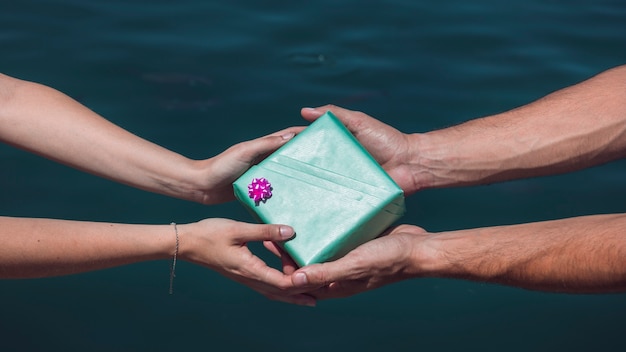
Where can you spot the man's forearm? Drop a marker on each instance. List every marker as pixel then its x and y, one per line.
pixel 583 254
pixel 576 127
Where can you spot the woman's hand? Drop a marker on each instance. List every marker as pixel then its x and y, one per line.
pixel 221 245
pixel 218 173
pixel 47 122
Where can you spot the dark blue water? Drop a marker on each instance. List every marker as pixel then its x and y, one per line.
pixel 199 76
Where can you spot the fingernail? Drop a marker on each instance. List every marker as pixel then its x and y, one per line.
pixel 286 232
pixel 288 135
pixel 300 279
pixel 310 303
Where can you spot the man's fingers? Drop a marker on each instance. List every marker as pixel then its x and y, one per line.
pixel 311 114
pixel 300 299
pixel 272 247
pixel 313 276
pixel 353 120
pixel 289 266
pixel 272 283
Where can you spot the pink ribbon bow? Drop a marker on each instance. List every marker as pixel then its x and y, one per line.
pixel 260 190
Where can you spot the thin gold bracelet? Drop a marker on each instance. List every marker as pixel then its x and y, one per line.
pixel 173 267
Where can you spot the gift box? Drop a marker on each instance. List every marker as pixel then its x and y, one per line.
pixel 326 186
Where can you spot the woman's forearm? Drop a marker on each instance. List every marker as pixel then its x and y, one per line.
pixel 33 248
pixel 582 254
pixel 47 122
pixel 576 127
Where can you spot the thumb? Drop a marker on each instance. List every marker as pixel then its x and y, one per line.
pixel 266 232
pixel 257 148
pixel 313 276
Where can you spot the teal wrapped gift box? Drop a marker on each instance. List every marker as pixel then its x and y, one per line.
pixel 328 188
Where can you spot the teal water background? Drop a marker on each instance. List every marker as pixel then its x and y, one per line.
pixel 199 76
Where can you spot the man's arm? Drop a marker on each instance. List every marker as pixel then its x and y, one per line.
pixel 574 128
pixel 582 254
pixel 577 255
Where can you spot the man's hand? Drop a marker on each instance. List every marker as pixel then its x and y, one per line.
pixel 379 262
pixel 391 148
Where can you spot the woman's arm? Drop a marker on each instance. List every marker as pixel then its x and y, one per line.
pixel 47 122
pixel 34 248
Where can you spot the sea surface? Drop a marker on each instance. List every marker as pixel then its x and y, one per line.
pixel 200 76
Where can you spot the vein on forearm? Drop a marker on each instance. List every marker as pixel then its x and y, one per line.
pixel 583 254
pixel 577 127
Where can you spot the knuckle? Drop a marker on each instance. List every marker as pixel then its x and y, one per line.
pixel 283 287
pixel 270 232
pixel 319 277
